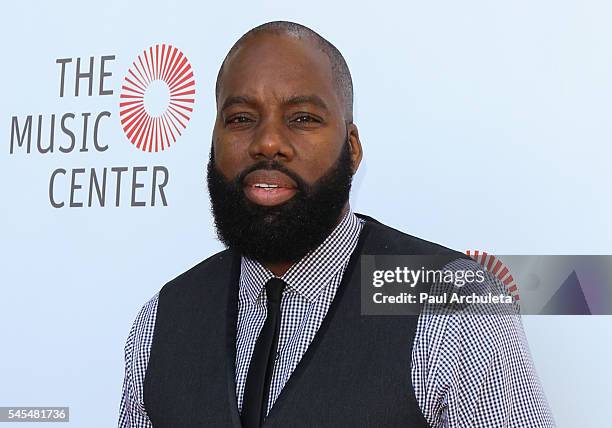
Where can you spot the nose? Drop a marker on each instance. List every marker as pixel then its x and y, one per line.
pixel 271 142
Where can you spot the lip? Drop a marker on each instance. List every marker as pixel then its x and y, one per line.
pixel 269 187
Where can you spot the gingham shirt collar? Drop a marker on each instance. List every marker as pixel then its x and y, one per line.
pixel 313 272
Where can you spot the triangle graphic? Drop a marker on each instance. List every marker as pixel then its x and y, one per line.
pixel 568 299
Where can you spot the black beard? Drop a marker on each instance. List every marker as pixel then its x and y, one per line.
pixel 286 232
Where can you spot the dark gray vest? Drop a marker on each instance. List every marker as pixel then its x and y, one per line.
pixel 355 373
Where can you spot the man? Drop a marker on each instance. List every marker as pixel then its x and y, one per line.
pixel 269 332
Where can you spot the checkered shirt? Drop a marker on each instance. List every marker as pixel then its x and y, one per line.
pixel 467 371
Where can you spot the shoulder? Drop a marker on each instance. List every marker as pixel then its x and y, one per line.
pixel 145 318
pixel 217 265
pixel 388 240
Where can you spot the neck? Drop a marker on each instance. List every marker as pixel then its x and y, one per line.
pixel 280 268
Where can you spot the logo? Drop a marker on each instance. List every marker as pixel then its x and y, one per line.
pixel 498 269
pixel 156 101
pixel 157 98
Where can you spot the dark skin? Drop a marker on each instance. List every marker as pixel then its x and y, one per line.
pixel 277 101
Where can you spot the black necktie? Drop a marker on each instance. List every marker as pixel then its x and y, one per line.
pixel 257 387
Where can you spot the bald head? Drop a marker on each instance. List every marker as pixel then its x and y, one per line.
pixel 340 74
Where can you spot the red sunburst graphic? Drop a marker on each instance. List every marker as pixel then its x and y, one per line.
pixel 167 65
pixel 496 267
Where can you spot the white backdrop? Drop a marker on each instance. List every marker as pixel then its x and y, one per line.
pixel 485 125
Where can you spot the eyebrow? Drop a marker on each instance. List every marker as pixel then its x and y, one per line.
pixel 306 99
pixel 294 100
pixel 237 99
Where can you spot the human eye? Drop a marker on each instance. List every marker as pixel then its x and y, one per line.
pixel 238 120
pixel 305 120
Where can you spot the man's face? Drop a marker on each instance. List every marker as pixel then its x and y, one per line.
pixel 283 152
pixel 277 101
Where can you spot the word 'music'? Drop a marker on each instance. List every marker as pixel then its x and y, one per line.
pixel 21 134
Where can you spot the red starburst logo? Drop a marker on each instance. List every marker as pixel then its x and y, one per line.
pixel 157 98
pixel 496 267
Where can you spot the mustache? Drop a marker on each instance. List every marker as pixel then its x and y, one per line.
pixel 272 165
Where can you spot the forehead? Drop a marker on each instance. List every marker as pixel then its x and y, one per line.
pixel 269 66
